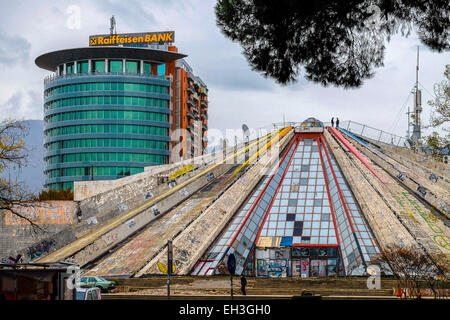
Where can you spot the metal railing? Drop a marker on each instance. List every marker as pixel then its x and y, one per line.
pixel 359 129
pixel 373 133
pixel 52 77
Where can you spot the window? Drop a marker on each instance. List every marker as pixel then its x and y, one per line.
pixel 69 68
pixel 116 66
pixel 161 69
pixel 99 66
pixel 132 66
pixel 147 68
pixel 83 67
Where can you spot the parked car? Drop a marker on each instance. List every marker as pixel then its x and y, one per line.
pixel 88 294
pixel 99 282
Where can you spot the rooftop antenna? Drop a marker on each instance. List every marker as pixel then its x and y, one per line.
pixel 417 109
pixel 112 29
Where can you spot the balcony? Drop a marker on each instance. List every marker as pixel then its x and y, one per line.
pixel 191 102
pixel 190 114
pixel 190 90
pixel 204 127
pixel 204 103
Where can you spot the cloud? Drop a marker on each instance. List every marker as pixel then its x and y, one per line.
pixel 132 13
pixel 23 104
pixel 13 49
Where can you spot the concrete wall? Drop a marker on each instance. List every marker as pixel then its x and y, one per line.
pixel 417 159
pixel 15 233
pixel 421 185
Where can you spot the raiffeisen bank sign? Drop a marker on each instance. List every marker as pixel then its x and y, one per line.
pixel 142 38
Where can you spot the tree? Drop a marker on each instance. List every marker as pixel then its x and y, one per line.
pixel 62 194
pixel 440 115
pixel 441 104
pixel 13 152
pixel 332 42
pixel 412 267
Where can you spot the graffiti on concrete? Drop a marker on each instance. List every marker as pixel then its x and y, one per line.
pixel 122 207
pixel 401 176
pixel 433 178
pixel 440 239
pixel 184 192
pixel 163 267
pixel 17 259
pixel 92 220
pixel 110 237
pixel 406 213
pixel 40 249
pixel 171 183
pixel 422 191
pixel 181 171
pixel 155 210
pixel 277 268
pixel 209 176
pixel 262 266
pixel 131 223
pixel 51 212
pixel 148 195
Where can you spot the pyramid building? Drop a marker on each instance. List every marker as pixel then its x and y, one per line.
pixel 306 200
pixel 304 213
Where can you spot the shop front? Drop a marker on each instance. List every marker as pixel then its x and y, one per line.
pixel 301 262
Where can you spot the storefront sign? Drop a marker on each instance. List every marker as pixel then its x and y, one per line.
pixel 132 38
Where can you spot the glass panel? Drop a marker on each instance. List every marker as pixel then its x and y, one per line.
pixel 147 68
pixel 69 68
pixel 99 66
pixel 161 69
pixel 132 66
pixel 82 66
pixel 116 66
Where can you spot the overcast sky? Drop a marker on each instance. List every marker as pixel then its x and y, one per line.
pixel 237 95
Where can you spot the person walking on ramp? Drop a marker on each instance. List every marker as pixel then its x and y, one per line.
pixel 332 122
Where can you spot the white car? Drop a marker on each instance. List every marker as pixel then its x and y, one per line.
pixel 88 294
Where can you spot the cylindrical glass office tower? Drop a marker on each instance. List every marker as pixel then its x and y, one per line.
pixel 107 113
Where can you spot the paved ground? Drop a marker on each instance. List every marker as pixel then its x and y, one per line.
pixel 218 287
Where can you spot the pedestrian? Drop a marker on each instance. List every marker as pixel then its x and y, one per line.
pixel 337 122
pixel 332 122
pixel 243 284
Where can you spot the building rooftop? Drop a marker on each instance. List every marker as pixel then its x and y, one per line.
pixel 51 60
